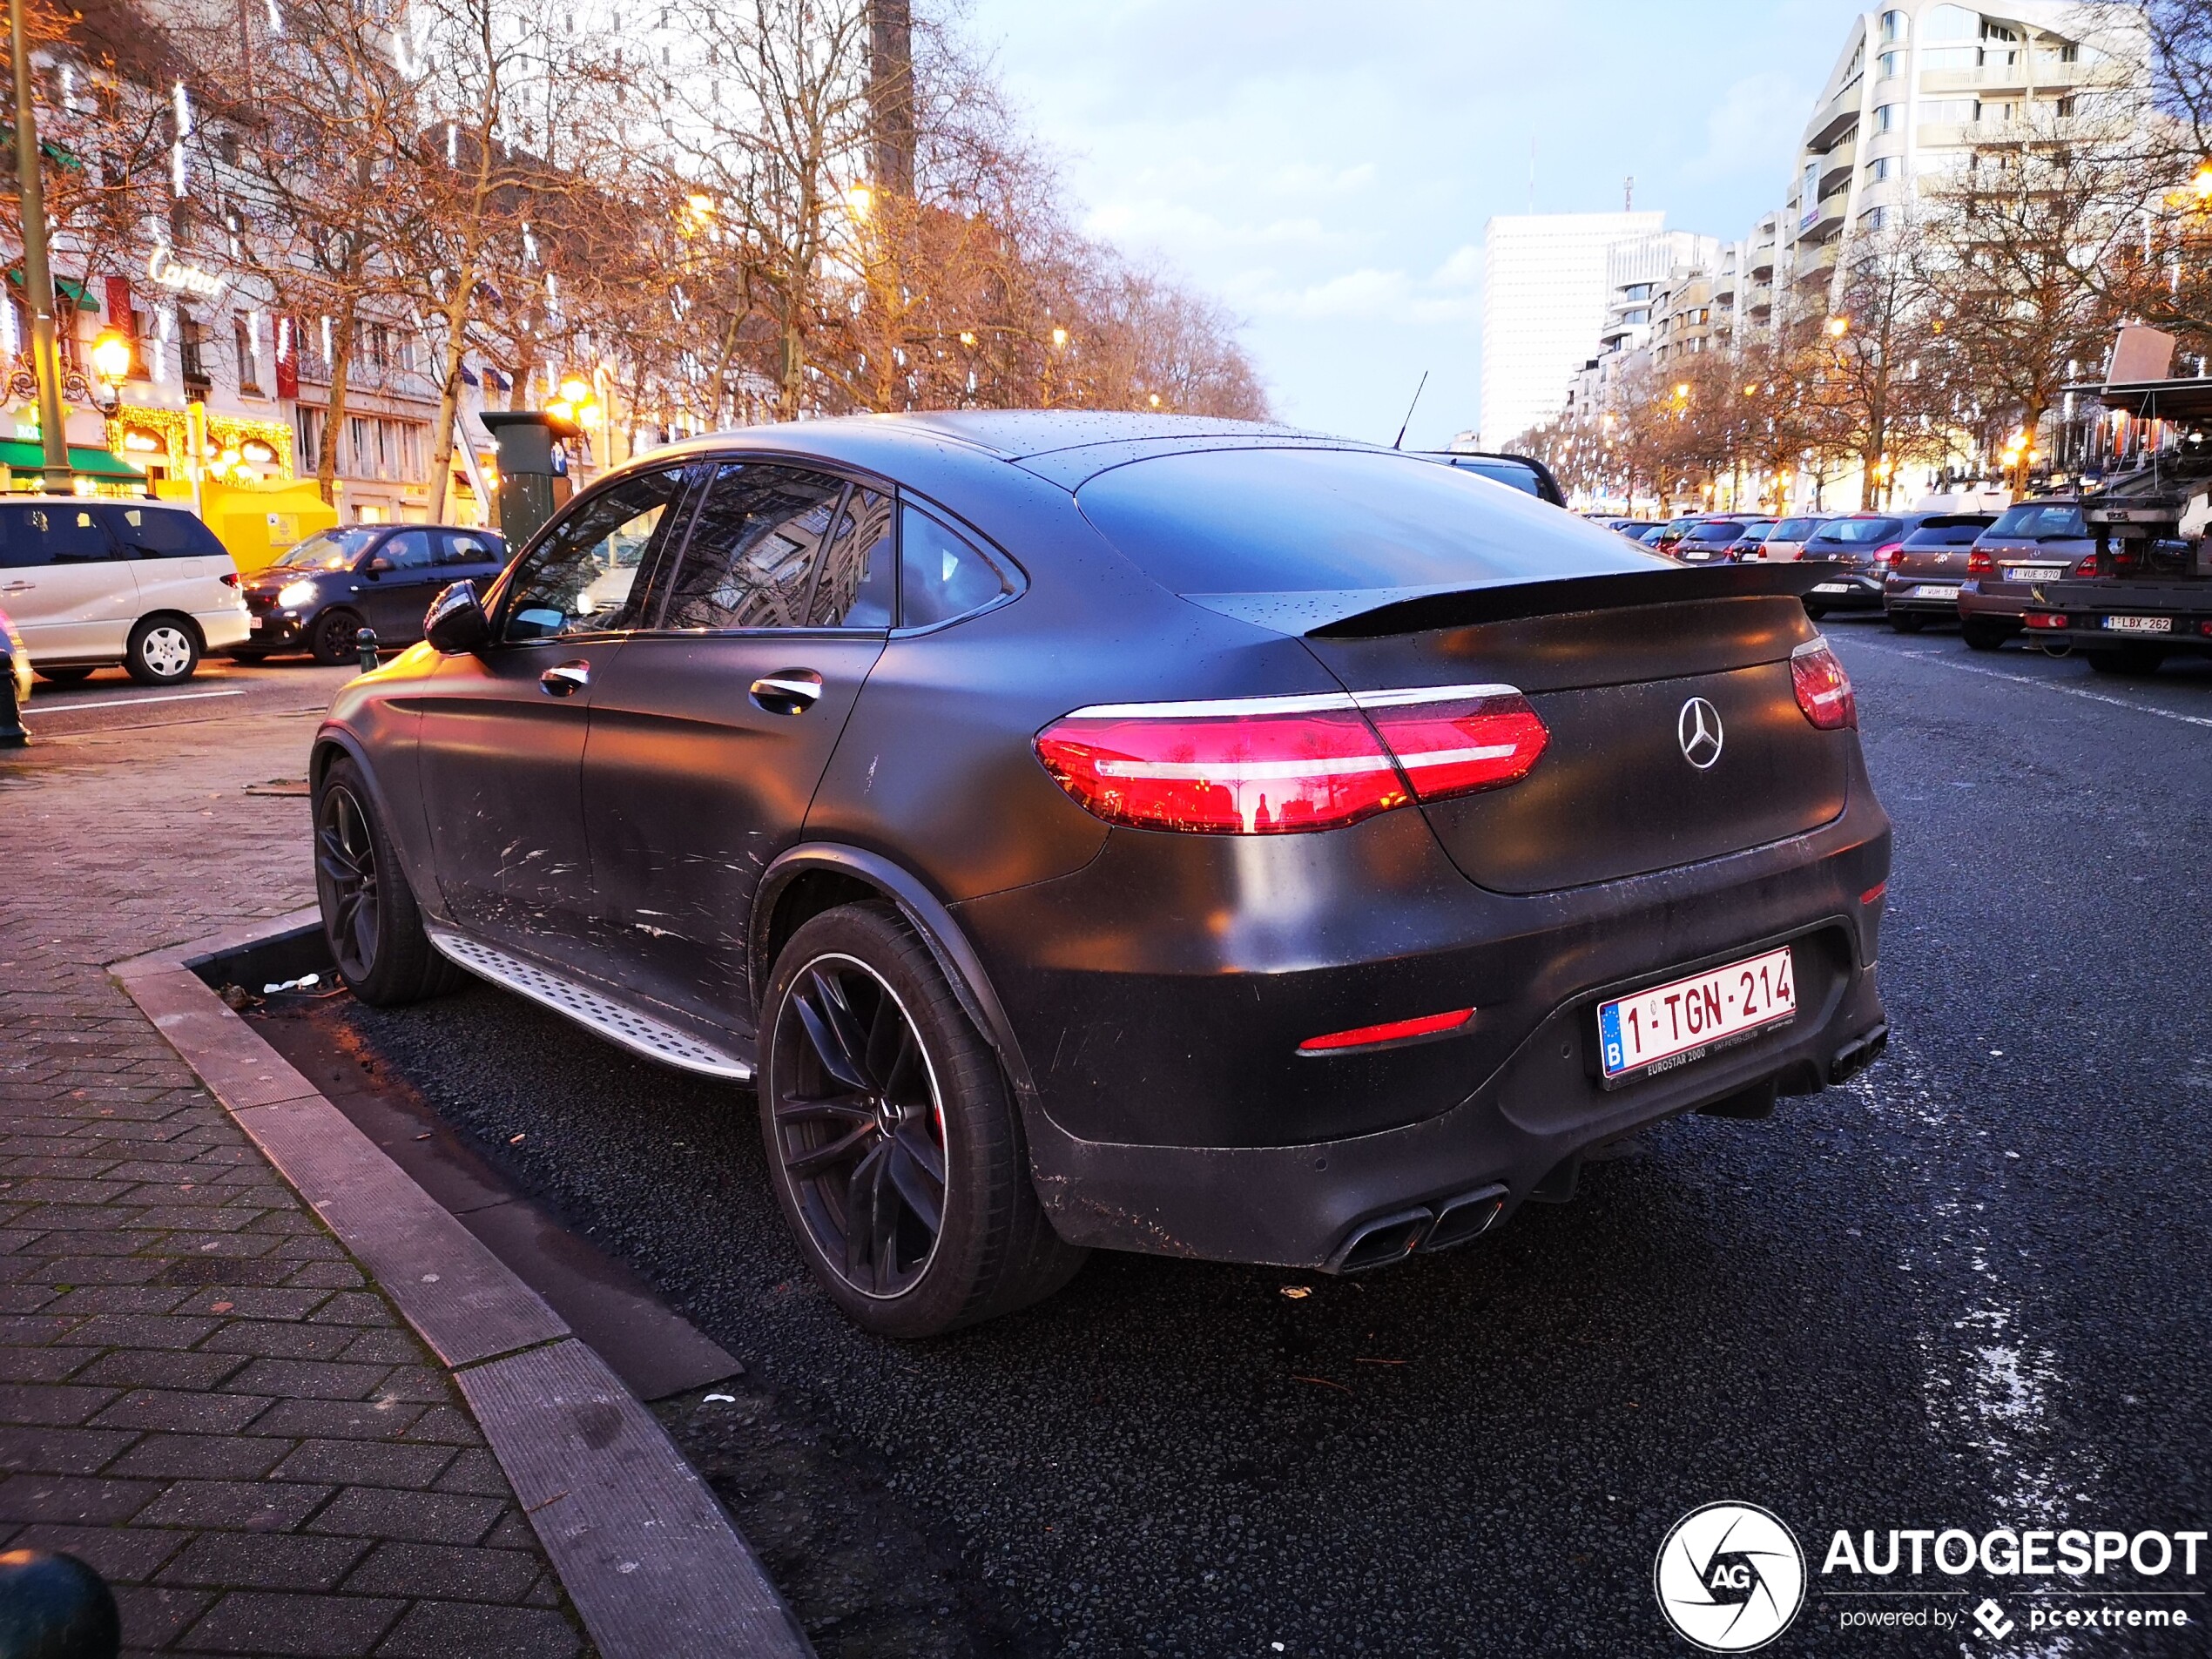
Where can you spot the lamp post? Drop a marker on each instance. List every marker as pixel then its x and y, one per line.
pixel 38 280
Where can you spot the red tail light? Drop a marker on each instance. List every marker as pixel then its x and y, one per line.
pixel 1893 554
pixel 2044 619
pixel 2088 566
pixel 1367 1037
pixel 1978 563
pixel 1456 740
pixel 1278 766
pixel 229 578
pixel 1823 689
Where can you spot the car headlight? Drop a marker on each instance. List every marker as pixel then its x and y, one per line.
pixel 293 595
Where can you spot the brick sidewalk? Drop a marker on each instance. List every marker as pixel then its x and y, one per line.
pixel 198 1393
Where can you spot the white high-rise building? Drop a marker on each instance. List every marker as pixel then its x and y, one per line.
pixel 1544 293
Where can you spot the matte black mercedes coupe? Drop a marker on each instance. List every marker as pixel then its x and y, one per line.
pixel 1148 833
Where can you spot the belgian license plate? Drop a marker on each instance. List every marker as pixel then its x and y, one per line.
pixel 1671 1025
pixel 2139 625
pixel 1933 590
pixel 1831 587
pixel 2033 572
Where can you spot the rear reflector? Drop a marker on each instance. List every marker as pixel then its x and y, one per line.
pixel 2044 619
pixel 1367 1037
pixel 1978 563
pixel 1273 766
pixel 1823 689
pixel 1874 893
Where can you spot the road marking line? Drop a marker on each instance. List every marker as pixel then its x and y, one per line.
pixel 2029 679
pixel 131 702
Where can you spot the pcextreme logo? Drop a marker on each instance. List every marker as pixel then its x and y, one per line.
pixel 1729 1577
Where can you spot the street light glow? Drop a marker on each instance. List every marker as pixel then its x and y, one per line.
pixel 576 390
pixel 1060 336
pixel 111 356
pixel 1838 327
pixel 862 200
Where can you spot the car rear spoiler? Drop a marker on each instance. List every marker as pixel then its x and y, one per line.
pixel 1364 613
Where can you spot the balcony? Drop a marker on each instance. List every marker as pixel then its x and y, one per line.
pixel 1836 116
pixel 1816 268
pixel 1835 170
pixel 1827 219
pixel 1762 264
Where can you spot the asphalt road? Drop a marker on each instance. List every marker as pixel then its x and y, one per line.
pixel 1968 1290
pixel 111 700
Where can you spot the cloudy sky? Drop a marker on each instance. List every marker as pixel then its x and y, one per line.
pixel 1326 168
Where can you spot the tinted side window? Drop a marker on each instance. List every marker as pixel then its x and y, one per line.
pixel 151 533
pixel 854 590
pixel 750 556
pixel 406 550
pixel 942 575
pixel 20 545
pixel 579 579
pixel 467 547
pixel 65 535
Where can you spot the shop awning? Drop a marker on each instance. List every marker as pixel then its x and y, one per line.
pixel 20 456
pixel 70 289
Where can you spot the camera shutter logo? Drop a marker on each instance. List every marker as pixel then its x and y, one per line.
pixel 1697 728
pixel 1729 1577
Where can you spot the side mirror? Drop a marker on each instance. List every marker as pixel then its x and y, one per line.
pixel 456 622
pixel 377 566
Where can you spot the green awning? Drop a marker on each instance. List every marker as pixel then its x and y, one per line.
pixel 22 456
pixel 68 287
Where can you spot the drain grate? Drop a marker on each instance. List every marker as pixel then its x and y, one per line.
pixel 639 1033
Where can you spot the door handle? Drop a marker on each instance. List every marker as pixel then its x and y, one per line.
pixel 565 679
pixel 16 587
pixel 788 690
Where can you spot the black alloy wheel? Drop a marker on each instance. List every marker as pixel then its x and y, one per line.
pixel 346 880
pixel 860 1126
pixel 1907 622
pixel 891 1136
pixel 330 640
pixel 369 918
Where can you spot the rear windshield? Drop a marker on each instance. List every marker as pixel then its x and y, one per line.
pixel 1757 532
pixel 2040 521
pixel 1725 532
pixel 1963 534
pixel 1795 529
pixel 1519 476
pixel 1320 521
pixel 1860 531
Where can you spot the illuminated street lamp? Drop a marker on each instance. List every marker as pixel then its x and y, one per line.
pixel 111 368
pixel 1838 327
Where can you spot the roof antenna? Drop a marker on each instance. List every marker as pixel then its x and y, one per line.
pixel 1410 407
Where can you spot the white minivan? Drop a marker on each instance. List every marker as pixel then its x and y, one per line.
pixel 139 582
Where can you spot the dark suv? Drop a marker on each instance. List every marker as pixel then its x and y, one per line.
pixel 321 593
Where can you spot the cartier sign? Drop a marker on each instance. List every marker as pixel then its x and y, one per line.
pixel 171 272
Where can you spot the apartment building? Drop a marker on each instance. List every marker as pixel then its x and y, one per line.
pixel 1544 304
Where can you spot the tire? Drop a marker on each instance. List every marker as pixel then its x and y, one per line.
pixel 163 651
pixel 62 675
pixel 370 917
pixel 1815 609
pixel 249 658
pixel 1907 622
pixel 1984 636
pixel 870 1072
pixel 2130 662
pixel 330 640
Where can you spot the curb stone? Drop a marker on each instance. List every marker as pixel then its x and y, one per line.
pixel 650 1560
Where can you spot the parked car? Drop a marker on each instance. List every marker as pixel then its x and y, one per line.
pixel 1650 535
pixel 1720 540
pixel 1787 539
pixel 93 583
pixel 1524 473
pixel 1928 567
pixel 1750 547
pixel 321 593
pixel 1086 831
pixel 1673 531
pixel 1861 543
pixel 2032 542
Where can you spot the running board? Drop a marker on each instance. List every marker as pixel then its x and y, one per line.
pixel 639 1033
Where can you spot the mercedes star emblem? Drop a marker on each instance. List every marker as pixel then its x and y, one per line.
pixel 1697 728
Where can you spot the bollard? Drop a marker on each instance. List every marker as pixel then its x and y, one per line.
pixel 365 643
pixel 53 1606
pixel 12 735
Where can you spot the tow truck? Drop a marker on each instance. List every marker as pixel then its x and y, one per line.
pixel 2150 596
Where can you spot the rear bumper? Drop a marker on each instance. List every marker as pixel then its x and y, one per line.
pixel 224 628
pixel 1847 590
pixel 1897 593
pixel 1172 1114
